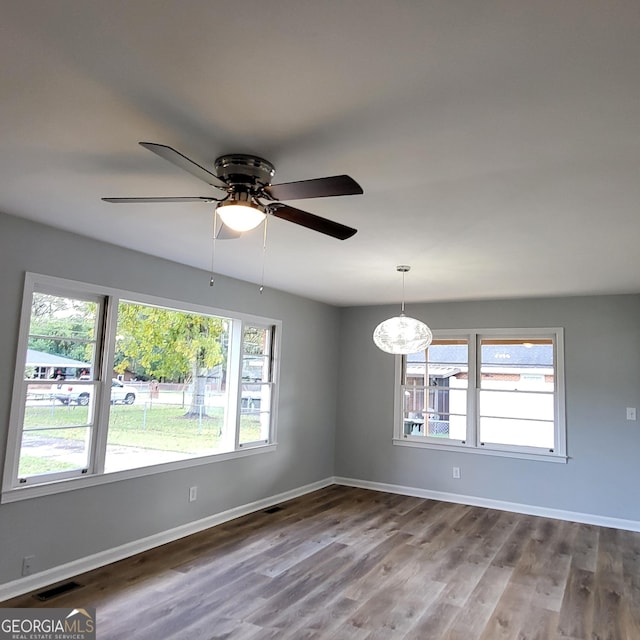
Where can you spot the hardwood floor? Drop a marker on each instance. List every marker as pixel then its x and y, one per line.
pixel 353 564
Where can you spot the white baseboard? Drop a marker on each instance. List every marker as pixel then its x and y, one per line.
pixel 76 567
pixel 516 507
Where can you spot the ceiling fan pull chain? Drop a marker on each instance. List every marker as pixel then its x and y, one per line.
pixel 264 254
pixel 213 246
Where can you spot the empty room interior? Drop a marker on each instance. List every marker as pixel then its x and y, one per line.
pixel 321 320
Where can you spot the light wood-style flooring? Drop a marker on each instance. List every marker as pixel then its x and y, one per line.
pixel 354 564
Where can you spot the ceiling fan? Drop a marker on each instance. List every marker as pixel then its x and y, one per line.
pixel 250 196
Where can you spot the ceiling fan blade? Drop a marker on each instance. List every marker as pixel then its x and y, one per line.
pixel 315 188
pixel 150 200
pixel 311 221
pixel 175 157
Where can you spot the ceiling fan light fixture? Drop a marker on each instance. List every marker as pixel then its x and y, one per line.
pixel 240 216
pixel 402 334
pixel 246 179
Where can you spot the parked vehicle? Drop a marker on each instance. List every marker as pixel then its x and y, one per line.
pixel 69 392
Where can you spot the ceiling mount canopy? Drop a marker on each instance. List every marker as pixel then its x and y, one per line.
pixel 402 334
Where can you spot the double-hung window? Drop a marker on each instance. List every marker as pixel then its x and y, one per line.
pixel 498 391
pixel 109 382
pixel 58 444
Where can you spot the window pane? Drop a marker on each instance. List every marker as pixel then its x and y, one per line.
pixel 435 390
pixel 255 406
pixel 255 400
pixel 256 354
pixel 517 364
pixel 257 340
pixel 58 411
pixel 516 401
pixel 62 338
pixel 255 368
pixel 525 433
pixel 53 450
pixel 55 436
pixel 174 365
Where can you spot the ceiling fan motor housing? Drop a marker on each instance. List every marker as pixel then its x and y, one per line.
pixel 245 170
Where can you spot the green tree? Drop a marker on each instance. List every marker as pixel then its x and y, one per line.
pixel 170 344
pixel 62 326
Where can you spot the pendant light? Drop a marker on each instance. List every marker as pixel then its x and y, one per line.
pixel 402 334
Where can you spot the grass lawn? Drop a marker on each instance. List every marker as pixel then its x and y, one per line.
pixel 164 428
pixel 31 465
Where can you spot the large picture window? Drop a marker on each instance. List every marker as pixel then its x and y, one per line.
pixel 111 382
pixel 492 391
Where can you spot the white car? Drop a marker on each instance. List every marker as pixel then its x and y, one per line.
pixel 69 393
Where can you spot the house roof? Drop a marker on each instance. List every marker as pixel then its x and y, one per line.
pixel 43 359
pixel 537 355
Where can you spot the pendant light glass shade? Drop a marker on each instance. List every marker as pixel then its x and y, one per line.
pixel 402 334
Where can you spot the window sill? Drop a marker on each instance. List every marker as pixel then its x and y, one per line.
pixel 71 484
pixel 484 451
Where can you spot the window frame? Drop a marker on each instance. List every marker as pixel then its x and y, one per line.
pixel 12 462
pixel 13 489
pixel 472 443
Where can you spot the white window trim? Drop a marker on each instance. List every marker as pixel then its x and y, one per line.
pixel 96 476
pixel 472 443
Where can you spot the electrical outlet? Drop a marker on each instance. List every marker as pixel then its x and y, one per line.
pixel 631 413
pixel 27 565
pixel 193 494
pixel 456 473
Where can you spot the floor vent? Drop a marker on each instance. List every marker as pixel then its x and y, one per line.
pixel 56 591
pixel 273 509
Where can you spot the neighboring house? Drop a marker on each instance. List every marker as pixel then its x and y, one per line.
pixel 510 367
pixel 49 365
pixel 127 375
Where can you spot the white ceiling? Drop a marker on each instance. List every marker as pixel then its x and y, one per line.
pixel 498 143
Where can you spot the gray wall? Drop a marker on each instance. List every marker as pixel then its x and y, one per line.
pixel 61 528
pixel 317 437
pixel 602 366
